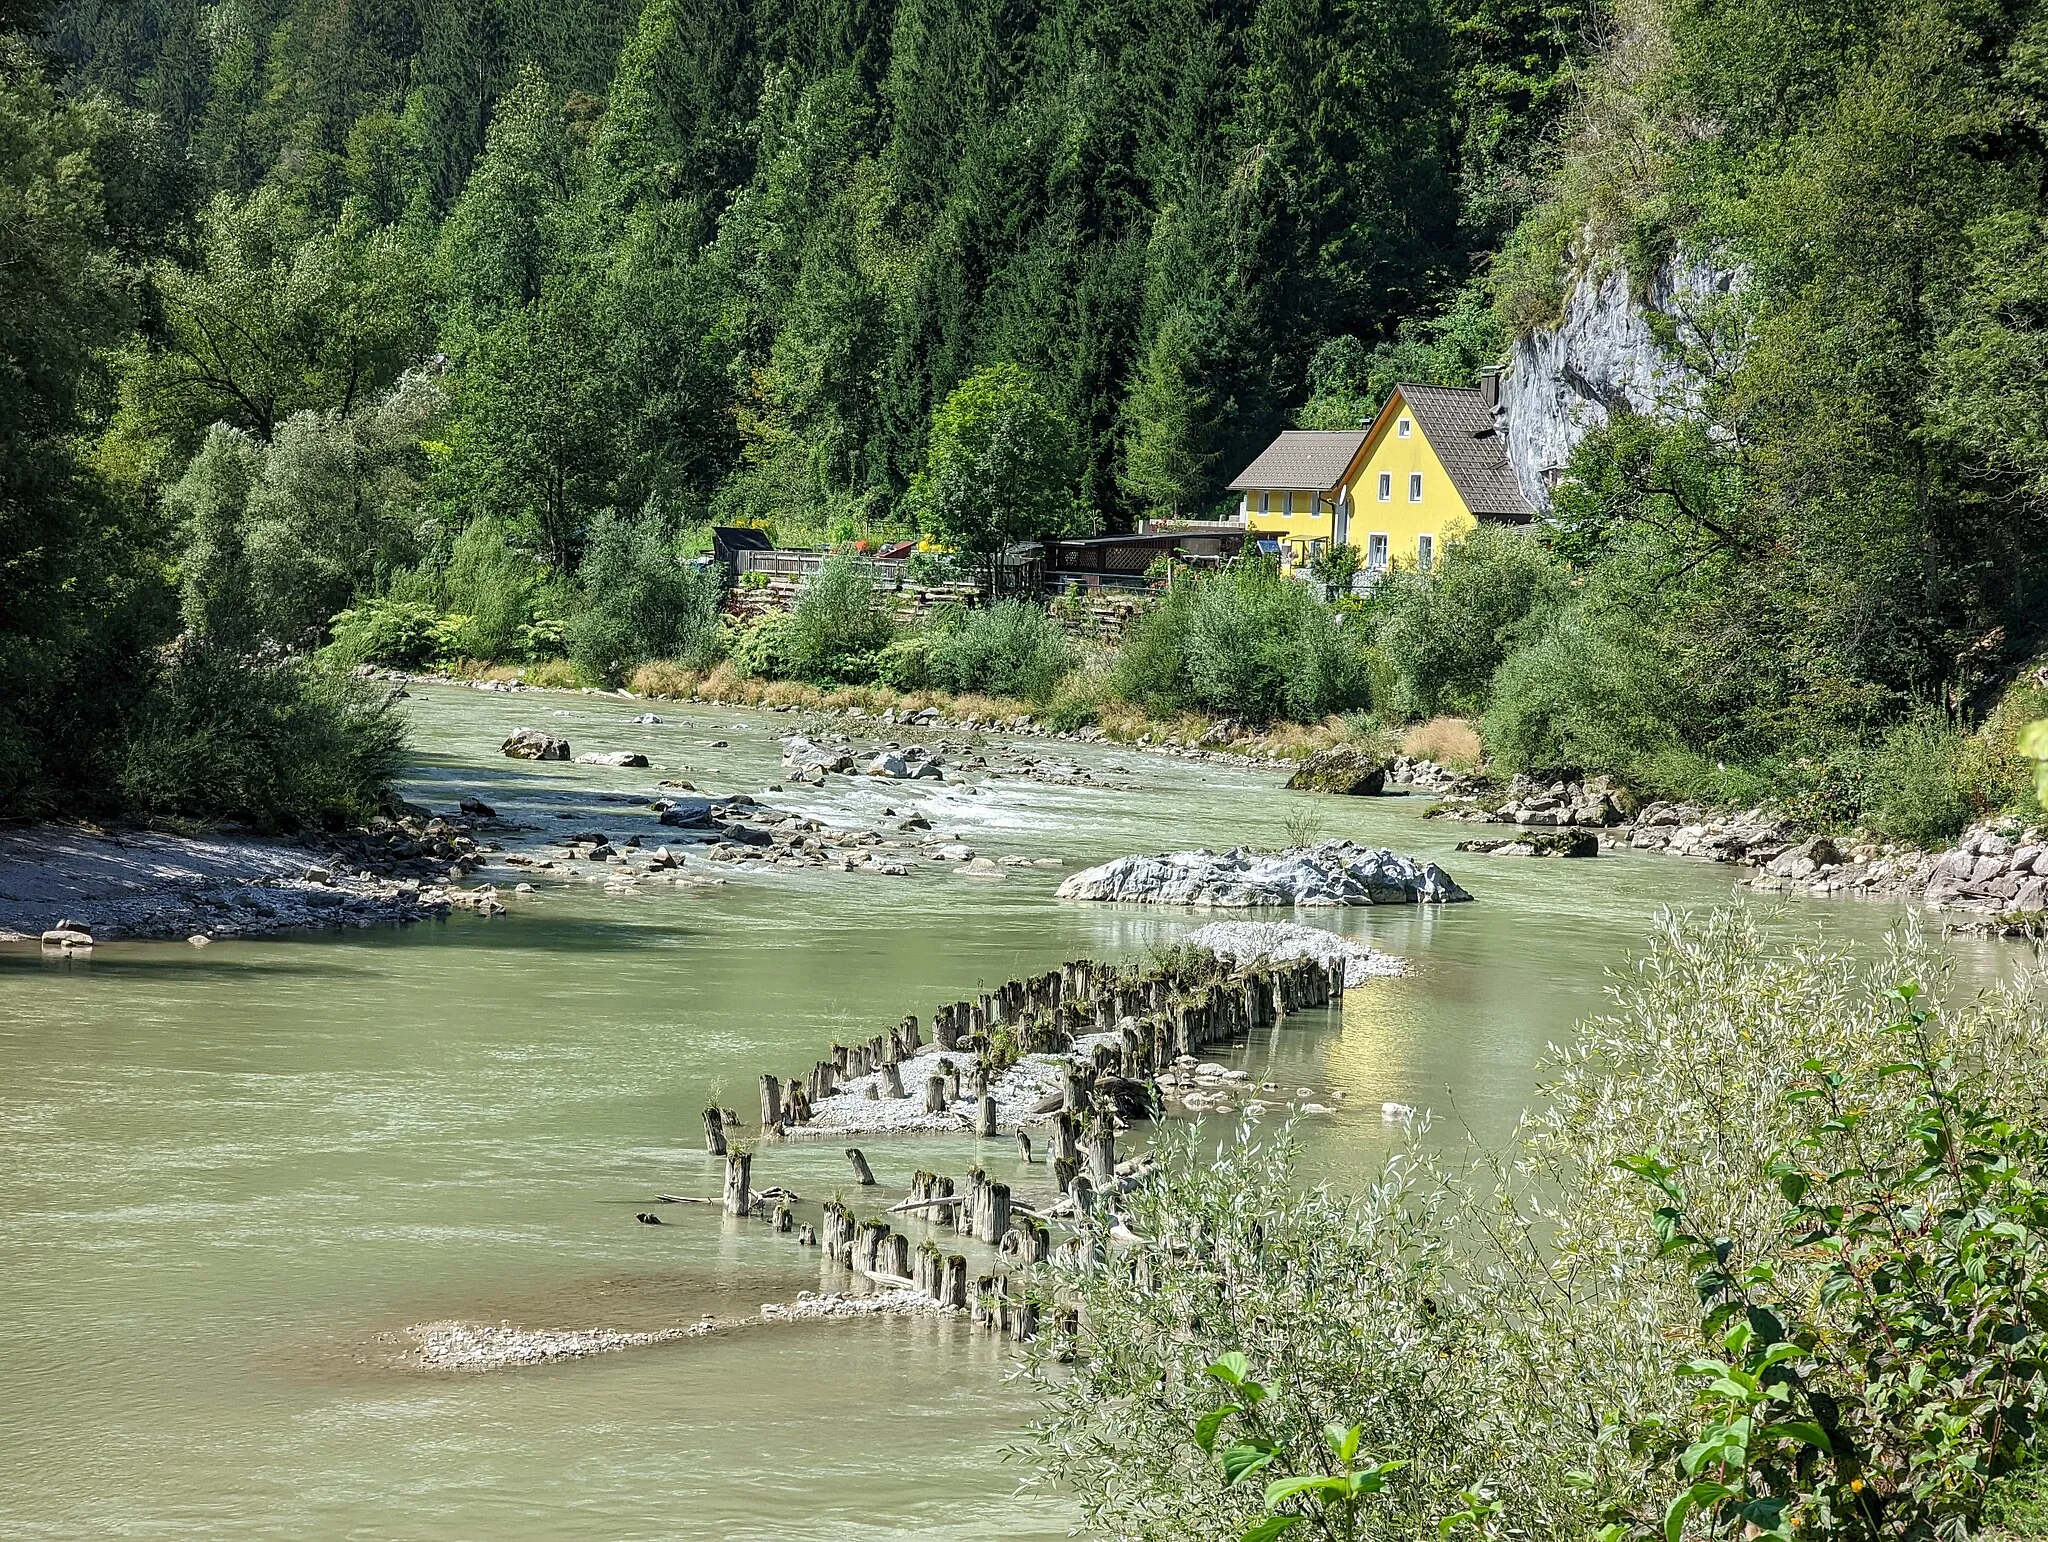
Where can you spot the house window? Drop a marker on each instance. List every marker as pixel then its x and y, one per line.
pixel 1415 487
pixel 1376 552
pixel 1289 497
pixel 1425 552
pixel 1265 503
pixel 1386 487
pixel 1404 428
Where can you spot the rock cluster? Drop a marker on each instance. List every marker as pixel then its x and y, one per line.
pixel 408 843
pixel 1343 768
pixel 1332 873
pixel 1592 803
pixel 1281 942
pixel 1414 771
pixel 1992 871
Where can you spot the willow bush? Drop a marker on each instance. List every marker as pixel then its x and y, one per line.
pixel 1518 1329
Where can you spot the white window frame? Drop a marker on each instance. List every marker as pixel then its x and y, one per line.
pixel 1425 552
pixel 1415 487
pixel 1376 552
pixel 1404 428
pixel 1386 487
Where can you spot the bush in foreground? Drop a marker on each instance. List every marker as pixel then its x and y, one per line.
pixel 1511 1334
pixel 836 628
pixel 277 743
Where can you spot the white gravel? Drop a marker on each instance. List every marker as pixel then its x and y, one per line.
pixel 1280 941
pixel 850 1111
pixel 473 1346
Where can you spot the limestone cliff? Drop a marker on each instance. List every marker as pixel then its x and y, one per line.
pixel 1603 356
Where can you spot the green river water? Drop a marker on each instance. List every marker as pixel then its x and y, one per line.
pixel 231 1178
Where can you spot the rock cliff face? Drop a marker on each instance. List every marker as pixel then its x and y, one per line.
pixel 1604 357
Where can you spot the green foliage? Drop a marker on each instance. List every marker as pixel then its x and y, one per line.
pixel 837 627
pixel 1336 566
pixel 757 650
pixel 493 588
pixel 401 633
pixel 1447 630
pixel 1000 466
pixel 638 600
pixel 1912 781
pixel 272 742
pixel 1010 648
pixel 1853 1169
pixel 1244 642
pixel 906 663
pixel 1881 1383
pixel 282 535
pixel 1349 382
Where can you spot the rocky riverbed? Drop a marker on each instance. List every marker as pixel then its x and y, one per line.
pixel 1330 873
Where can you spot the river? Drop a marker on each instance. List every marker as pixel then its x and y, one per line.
pixel 231 1178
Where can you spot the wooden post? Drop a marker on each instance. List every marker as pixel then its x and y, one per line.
pixel 785 1218
pixel 911 1042
pixel 992 1215
pixel 963 1213
pixel 986 1125
pixel 1101 1152
pixel 861 1172
pixel 1083 1192
pixel 714 1132
pixel 894 1255
pixel 935 1094
pixel 892 1080
pixel 1024 1320
pixel 1063 1170
pixel 806 1237
pixel 771 1104
pixel 739 1167
pixel 953 1283
pixel 1024 1147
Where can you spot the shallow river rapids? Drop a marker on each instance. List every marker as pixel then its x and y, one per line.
pixel 232 1179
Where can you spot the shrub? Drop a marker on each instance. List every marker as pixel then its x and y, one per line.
pixel 1511 1328
pixel 276 742
pixel 400 633
pixel 757 648
pixel 1447 630
pixel 1913 788
pixel 639 600
pixel 1590 693
pixel 906 663
pixel 492 588
pixel 1011 648
pixel 1247 643
pixel 836 627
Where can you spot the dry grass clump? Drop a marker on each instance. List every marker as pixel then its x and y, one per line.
pixel 1449 741
pixel 665 678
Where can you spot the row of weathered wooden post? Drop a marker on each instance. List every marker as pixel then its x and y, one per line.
pixel 1174 1008
pixel 1177 1007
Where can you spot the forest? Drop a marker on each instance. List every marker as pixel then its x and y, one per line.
pixel 470 318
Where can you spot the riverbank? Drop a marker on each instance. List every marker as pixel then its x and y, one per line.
pixel 113 883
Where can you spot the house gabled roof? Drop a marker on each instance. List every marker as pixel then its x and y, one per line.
pixel 1471 446
pixel 1309 459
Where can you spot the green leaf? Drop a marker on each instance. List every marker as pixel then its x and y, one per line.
pixel 1267 1527
pixel 1243 1461
pixel 1343 1442
pixel 1804 1430
pixel 1683 1506
pixel 1230 1368
pixel 1210 1422
pixel 1282 1489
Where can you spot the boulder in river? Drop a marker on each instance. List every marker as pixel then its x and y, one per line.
pixel 620 758
pixel 1332 873
pixel 688 813
pixel 534 744
pixel 1343 768
pixel 1539 843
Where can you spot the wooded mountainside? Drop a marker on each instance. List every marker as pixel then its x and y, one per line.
pixel 482 309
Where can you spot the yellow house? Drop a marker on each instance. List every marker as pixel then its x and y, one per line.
pixel 1428 469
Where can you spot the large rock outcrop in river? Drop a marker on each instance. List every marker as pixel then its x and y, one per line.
pixel 1333 873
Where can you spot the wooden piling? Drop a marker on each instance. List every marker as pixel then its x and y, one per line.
pixel 892 1080
pixel 862 1174
pixel 714 1132
pixel 739 1167
pixel 935 1094
pixel 771 1104
pixel 992 1215
pixel 953 1283
pixel 1024 1147
pixel 985 1125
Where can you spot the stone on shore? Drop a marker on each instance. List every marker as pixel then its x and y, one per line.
pixel 1332 873
pixel 534 744
pixel 1343 768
